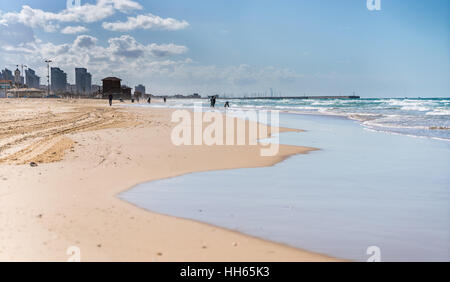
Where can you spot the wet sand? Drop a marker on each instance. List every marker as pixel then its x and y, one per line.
pixel 86 153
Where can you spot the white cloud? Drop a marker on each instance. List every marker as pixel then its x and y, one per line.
pixel 126 46
pixel 124 5
pixel 166 49
pixel 87 13
pixel 121 53
pixel 148 21
pixel 85 41
pixel 73 29
pixel 149 64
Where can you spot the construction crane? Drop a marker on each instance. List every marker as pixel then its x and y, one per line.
pixel 22 65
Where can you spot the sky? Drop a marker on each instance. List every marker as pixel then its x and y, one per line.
pixel 238 47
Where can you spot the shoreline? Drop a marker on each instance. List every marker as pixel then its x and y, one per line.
pixel 74 201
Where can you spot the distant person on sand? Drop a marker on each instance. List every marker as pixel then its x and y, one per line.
pixel 165 100
pixel 227 104
pixel 149 100
pixel 110 97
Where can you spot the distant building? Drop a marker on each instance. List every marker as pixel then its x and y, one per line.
pixel 96 89
pixel 140 88
pixel 17 78
pixel 83 81
pixel 25 93
pixel 5 85
pixel 7 75
pixel 138 95
pixel 126 92
pixel 72 88
pixel 88 83
pixel 192 96
pixel 33 81
pixel 58 80
pixel 111 86
pixel 80 80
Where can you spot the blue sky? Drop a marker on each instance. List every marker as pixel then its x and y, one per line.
pixel 323 47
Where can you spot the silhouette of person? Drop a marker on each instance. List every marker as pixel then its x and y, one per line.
pixel 149 100
pixel 227 104
pixel 110 97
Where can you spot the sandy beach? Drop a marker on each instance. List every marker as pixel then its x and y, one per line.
pixel 85 154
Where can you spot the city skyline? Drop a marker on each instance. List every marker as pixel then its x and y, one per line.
pixel 237 48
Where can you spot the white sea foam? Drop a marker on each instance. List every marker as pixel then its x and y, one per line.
pixel 439 112
pixel 415 108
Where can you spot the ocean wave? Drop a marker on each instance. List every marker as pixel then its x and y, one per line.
pixel 407 134
pixel 394 125
pixel 415 108
pixel 439 112
pixel 422 117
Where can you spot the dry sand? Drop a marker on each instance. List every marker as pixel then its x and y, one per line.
pixel 86 153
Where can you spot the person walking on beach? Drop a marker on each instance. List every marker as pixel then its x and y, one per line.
pixel 165 100
pixel 227 104
pixel 110 97
pixel 149 100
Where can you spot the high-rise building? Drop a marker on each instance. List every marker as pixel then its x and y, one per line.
pixel 83 81
pixel 7 75
pixel 59 80
pixel 88 83
pixel 140 88
pixel 32 79
pixel 72 88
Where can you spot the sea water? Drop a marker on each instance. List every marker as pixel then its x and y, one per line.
pixel 363 188
pixel 424 117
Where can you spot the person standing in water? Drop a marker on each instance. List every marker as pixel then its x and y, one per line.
pixel 213 101
pixel 227 104
pixel 110 98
